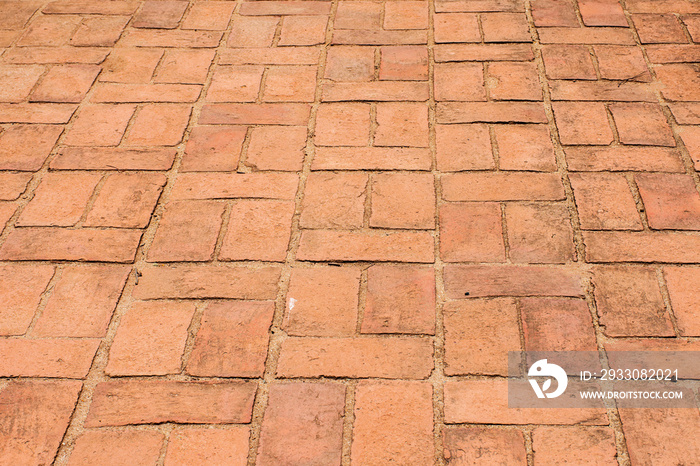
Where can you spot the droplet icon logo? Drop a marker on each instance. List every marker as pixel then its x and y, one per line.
pixel 542 368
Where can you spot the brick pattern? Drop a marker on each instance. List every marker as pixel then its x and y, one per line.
pixel 285 232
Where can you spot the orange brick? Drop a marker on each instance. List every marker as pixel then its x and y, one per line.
pixel 164 14
pixel 479 445
pixel 290 84
pixel 185 66
pixel 371 158
pixel 277 148
pixel 99 31
pixel 192 445
pixel 620 158
pixel 602 13
pixel 58 55
pixel 624 63
pixel 626 91
pixel 113 158
pixel 691 139
pixel 671 201
pixel 680 80
pixel 65 83
pixel 349 63
pixel 604 202
pixel 334 200
pixel 253 31
pixel 286 8
pixel 235 185
pixel 108 92
pixel 21 357
pixel 99 125
pixel 26 147
pixel 402 124
pixel 456 27
pixel 49 30
pixel 483 52
pixel 303 30
pixel 641 123
pixel 21 288
pixel 591 36
pixel 590 445
pixel 503 186
pixel 619 246
pixel 557 324
pixel 159 125
pixel 490 112
pixel 174 38
pixel 213 16
pixel 549 13
pixel 375 245
pixel 582 123
pixel 232 340
pixel 345 124
pixel 463 147
pixel 401 200
pixel 130 65
pixel 7 210
pixel 670 429
pixel 117 447
pixel 406 15
pixel 459 81
pixel 213 148
pixel 525 147
pixel 539 233
pixel 379 37
pixel 235 84
pixel 568 62
pixel 659 29
pixel 505 27
pixel 684 298
pixel 514 81
pixel 17 17
pixel 471 233
pixel 404 62
pixel 126 200
pixel 380 91
pixel 358 16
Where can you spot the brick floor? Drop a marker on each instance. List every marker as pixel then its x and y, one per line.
pixel 308 232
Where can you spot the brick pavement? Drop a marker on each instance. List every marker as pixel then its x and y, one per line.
pixel 286 232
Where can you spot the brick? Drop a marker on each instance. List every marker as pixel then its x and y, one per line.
pixel 619 158
pixel 36 113
pixel 235 84
pixel 212 16
pixel 692 23
pixel 270 56
pixel 393 423
pixel 686 113
pixel 17 17
pixel 357 15
pixel 159 125
pixel 213 148
pixel 65 83
pixel 188 231
pixel 681 81
pixel 539 233
pixel 286 8
pixel 659 29
pixel 130 65
pixel 253 31
pixel 510 280
pixel 277 148
pixel 380 91
pixel 590 445
pixel 171 38
pixel 401 124
pixel 378 37
pixel 163 14
pixel 673 53
pixel 117 93
pixel 489 326
pixel 684 298
pixel 21 288
pixel 623 91
pixel 185 66
pixel 490 112
pixel 13 185
pixel 59 200
pixel 99 31
pixel 94 289
pixel 7 210
pixel 59 55
pixel 590 36
pixel 375 245
pixel 456 27
pixel 235 185
pixel 471 233
pixel 400 299
pixel 671 201
pixel 101 447
pixel 345 124
pixel 258 230
pixel 334 200
pixel 123 402
pixel 112 158
pixel 479 5
pixel 608 246
pixel 257 114
pixel 49 30
pixel 303 30
pixel 349 63
pixel 38 415
pixel 557 324
pixel 391 207
pixel 503 186
pixel 483 52
pixel 150 339
pixel 641 123
pixel 463 147
pixel 99 125
pixel 602 13
pixel 621 63
pixel 126 200
pixel 87 244
pixel 459 81
pixel 550 13
pixel 604 202
pixel 322 302
pixel 72 7
pixel 46 358
pixel 371 158
pixel 513 81
pixel 404 62
pixel 480 445
pixel 207 281
pixel 630 303
pixel 691 139
pixel 290 84
pixel 389 358
pixel 525 147
pixel 582 123
pixel 191 445
pixel 568 62
pixel 505 27
pixel 303 424
pixel 18 81
pixel 232 340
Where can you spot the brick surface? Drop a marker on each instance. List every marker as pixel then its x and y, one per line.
pixel 213 148
pixel 670 426
pixel 334 200
pixel 21 289
pixel 605 202
pixel 109 446
pixel 683 298
pixel 215 446
pixel 642 124
pixel 46 357
pixel 591 445
pixel 539 233
pixel 478 445
pixel 671 201
pixel 59 200
pixel 403 201
pixel 26 147
pixel 461 228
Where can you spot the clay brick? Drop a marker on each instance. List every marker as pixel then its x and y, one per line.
pixel 112 158
pixel 539 233
pixel 13 185
pixel 602 13
pixel 630 303
pixel 187 231
pixel 185 66
pixel 371 158
pixel 235 185
pixel 604 202
pixel 659 29
pixel 375 245
pixel 345 124
pixel 235 84
pixel 379 37
pixel 94 290
pixel 621 63
pixel 389 358
pixel 21 288
pixel 463 147
pixel 525 147
pixel 22 357
pixel 130 65
pixel 349 63
pixel 671 201
pixel 117 447
pixel 621 158
pixel 491 112
pixel 17 17
pixel 128 401
pixel 479 445
pixel 590 445
pixel 290 84
pixel 150 339
pixel 684 298
pixel 459 81
pixel 380 91
pixel 99 31
pixel 609 246
pixel 673 53
pixel 479 334
pixel 134 93
pixel 681 81
pixel 513 81
pixel 232 340
pixel 691 139
pixel 402 124
pixel 99 125
pixel 212 16
pixel 334 200
pixel 36 113
pixel 253 31
pixel 213 148
pixel 271 56
pixel 7 210
pixel 65 83
pixel 159 125
pixel 549 13
pixel 686 113
pixel 582 123
pixel 393 423
pixel 623 91
pixel 456 27
pixel 163 14
pixel 568 62
pixel 483 52
pixel 505 27
pixel 471 233
pixel 208 446
pixel 303 30
pixel 286 8
pixel 401 200
pixel 502 186
pixel 406 15
pixel 303 424
pixel 258 230
pixel 49 30
pixel 557 324
pixel 404 62
pixel 277 148
pixel 641 123
pixel 58 55
pixel 590 36
pixel 358 15
pixel 322 302
pixel 478 5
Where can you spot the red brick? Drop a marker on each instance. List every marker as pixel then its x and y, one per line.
pixel 232 340
pixel 235 84
pixel 86 244
pixel 389 358
pixel 99 125
pixel 549 13
pixel 480 445
pixel 345 124
pixel 673 53
pixel 491 112
pixel 21 288
pixel 36 113
pixel 7 210
pixel 277 148
pixel 213 148
pixel 402 124
pixel 381 91
pixel 117 93
pixel 686 113
pixel 406 15
pixel 513 81
pixel 46 358
pixel 641 123
pixel 207 281
pixel 49 30
pixel 671 201
pixel 334 200
pixel 509 280
pixel 478 336
pixel 401 200
pixel 126 200
pixel 17 17
pixel 191 445
pixel 185 66
pixel 471 233
pixel 483 52
pixel 684 298
pixel 393 423
pixel 271 56
pixel 681 81
pixel 349 63
pixel 400 299
pixel 568 62
pixel 557 324
pixel 65 83
pixel 150 339
pixel 602 13
pixel 303 424
pixel 379 37
pixel 59 200
pixel 253 32
pixel 456 27
pixel 356 15
pixel 459 81
pixel 371 158
pixel 130 65
pixel 128 401
pixel 609 246
pixel 290 84
pixel 539 233
pixel 213 16
pixel 303 30
pixel 660 435
pixel 404 62
pixel 99 31
pixel 59 55
pixel 163 14
pixel 188 231
pixel 582 123
pixel 479 5
pixel 604 202
pixel 119 448
pixel 623 63
pixel 630 303
pixel 37 413
pixel 692 23
pixel 286 8
pixel 94 290
pixel 503 186
pixel 525 147
pixel 463 147
pixel 624 91
pixel 659 29
pixel 258 230
pixel 505 27
pixel 590 36
pixel 112 158
pixel 159 125
pixel 620 158
pixel 375 245
pixel 235 185
pixel 586 445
